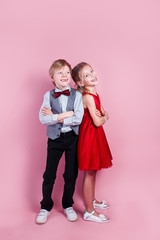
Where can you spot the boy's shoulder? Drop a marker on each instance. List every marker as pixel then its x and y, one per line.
pixel 78 93
pixel 73 90
pixel 48 92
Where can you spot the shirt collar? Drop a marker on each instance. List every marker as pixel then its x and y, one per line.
pixel 58 90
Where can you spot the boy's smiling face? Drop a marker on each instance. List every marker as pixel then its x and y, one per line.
pixel 62 77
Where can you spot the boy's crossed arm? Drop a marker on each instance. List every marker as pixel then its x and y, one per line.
pixel 47 117
pixel 61 116
pixel 70 118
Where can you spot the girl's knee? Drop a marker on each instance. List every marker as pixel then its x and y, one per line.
pixel 90 173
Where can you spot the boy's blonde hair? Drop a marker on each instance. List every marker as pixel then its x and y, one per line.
pixel 57 65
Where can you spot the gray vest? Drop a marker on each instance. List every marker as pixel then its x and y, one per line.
pixel 53 131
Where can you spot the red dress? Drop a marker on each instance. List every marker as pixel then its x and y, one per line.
pixel 93 149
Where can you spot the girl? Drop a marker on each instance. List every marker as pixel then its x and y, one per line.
pixel 93 150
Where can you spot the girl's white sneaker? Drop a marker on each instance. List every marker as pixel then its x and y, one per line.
pixel 90 217
pixel 42 216
pixel 102 205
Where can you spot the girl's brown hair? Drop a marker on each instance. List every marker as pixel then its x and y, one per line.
pixel 76 75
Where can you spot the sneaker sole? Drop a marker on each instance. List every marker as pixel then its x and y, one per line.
pixel 101 207
pixel 72 220
pixel 40 223
pixel 91 220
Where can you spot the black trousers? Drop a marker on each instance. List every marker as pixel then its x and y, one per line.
pixel 67 142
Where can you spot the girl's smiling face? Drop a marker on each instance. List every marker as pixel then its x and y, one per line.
pixel 88 77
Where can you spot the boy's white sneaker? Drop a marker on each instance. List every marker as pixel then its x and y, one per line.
pixel 42 216
pixel 70 214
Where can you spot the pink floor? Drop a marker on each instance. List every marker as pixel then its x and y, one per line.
pixel 134 212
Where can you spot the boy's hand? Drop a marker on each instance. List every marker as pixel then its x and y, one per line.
pixel 47 111
pixel 64 115
pixel 61 121
pixel 70 114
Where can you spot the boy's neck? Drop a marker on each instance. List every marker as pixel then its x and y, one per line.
pixel 62 88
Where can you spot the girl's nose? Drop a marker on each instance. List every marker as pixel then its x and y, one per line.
pixel 94 74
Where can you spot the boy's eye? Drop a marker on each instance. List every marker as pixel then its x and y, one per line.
pixel 59 72
pixel 92 70
pixel 86 75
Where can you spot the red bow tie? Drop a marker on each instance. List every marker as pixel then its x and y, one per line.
pixel 65 92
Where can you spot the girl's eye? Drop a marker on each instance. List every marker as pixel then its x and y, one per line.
pixel 91 70
pixel 86 75
pixel 60 73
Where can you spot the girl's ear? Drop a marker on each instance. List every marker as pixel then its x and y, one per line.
pixel 80 83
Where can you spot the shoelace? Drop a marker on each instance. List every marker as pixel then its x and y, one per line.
pixel 42 212
pixel 70 210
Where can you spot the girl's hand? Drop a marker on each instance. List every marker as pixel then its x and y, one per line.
pixel 47 111
pixel 98 113
pixel 102 110
pixel 106 115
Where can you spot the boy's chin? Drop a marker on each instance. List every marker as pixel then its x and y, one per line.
pixel 62 86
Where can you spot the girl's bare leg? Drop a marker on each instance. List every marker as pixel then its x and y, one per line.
pixel 94 198
pixel 88 190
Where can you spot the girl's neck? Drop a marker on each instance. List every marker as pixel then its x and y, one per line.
pixel 91 90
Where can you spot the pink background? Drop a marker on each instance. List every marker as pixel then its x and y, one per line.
pixel 120 39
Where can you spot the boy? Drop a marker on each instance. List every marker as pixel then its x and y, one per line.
pixel 62 112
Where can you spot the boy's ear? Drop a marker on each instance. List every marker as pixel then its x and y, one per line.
pixel 53 81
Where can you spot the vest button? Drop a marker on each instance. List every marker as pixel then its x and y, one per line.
pixel 57 135
pixel 59 128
